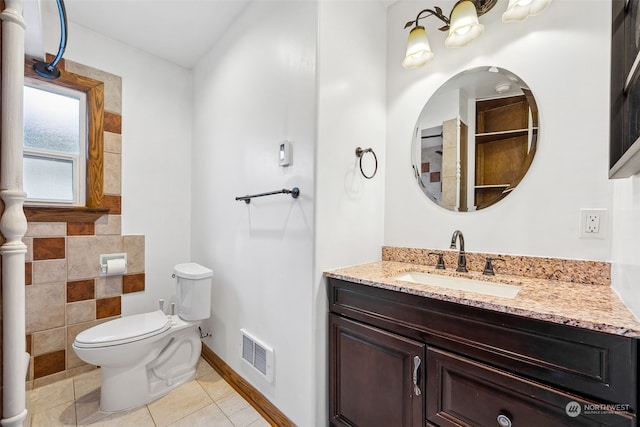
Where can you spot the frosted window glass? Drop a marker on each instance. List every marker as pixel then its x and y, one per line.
pixel 51 121
pixel 48 179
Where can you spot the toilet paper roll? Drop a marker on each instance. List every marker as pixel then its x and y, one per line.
pixel 116 266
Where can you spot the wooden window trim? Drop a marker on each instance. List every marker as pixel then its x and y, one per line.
pixel 93 209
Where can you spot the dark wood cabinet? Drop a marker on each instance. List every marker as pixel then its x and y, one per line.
pixel 379 376
pixel 463 392
pixel 624 142
pixel 506 141
pixel 481 368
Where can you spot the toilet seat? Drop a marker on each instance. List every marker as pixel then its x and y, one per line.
pixel 124 330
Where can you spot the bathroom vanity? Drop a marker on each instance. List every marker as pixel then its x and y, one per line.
pixel 407 354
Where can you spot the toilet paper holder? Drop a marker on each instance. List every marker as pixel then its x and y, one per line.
pixel 110 264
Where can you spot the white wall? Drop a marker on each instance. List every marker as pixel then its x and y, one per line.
pixel 626 242
pixel 156 151
pixel 351 113
pixel 255 88
pixel 565 61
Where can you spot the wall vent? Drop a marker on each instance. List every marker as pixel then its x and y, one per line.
pixel 258 355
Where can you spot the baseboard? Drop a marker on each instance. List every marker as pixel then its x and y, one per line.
pixel 267 409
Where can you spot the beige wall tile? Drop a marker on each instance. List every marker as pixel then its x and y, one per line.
pixel 82 311
pixel 30 375
pixel 46 229
pixel 449 162
pixel 71 373
pixel 49 271
pixel 49 379
pixel 87 383
pixel 74 361
pixel 28 241
pixel 109 224
pixel 450 134
pixel 45 306
pixel 108 286
pixel 112 143
pixel 49 341
pixel 112 84
pixel 112 173
pixel 134 247
pixel 83 254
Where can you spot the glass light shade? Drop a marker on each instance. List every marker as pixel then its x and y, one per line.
pixel 418 49
pixel 519 10
pixel 464 26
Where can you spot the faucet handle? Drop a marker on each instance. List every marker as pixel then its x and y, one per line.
pixel 440 265
pixel 488 267
pixel 161 304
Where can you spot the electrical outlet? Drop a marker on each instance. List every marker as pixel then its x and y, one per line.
pixel 593 223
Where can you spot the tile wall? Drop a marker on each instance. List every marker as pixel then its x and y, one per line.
pixel 64 292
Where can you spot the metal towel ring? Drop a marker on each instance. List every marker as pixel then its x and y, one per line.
pixel 360 153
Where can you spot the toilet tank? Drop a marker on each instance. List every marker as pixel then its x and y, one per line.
pixel 193 290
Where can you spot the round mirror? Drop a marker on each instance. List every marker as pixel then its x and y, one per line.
pixel 475 139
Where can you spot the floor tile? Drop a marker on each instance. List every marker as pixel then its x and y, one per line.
pixel 215 386
pixel 60 415
pixel 139 417
pixel 191 405
pixel 245 417
pixel 183 401
pixel 88 408
pixel 203 369
pixel 260 423
pixel 232 404
pixel 209 416
pixel 50 395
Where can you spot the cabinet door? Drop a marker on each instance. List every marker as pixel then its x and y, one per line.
pixel 624 144
pixel 463 392
pixel 376 377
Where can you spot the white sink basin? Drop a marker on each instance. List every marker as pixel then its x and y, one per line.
pixel 459 283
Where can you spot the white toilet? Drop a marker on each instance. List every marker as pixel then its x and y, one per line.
pixel 147 355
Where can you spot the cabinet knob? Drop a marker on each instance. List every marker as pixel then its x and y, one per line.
pixel 504 421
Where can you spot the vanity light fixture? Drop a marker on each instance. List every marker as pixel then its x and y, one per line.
pixel 519 10
pixel 463 25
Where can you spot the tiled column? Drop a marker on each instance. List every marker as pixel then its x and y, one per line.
pixel 13 223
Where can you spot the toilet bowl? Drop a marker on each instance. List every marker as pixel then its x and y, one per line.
pixel 145 356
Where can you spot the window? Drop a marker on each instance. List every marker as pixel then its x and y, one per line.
pixel 54 202
pixel 55 144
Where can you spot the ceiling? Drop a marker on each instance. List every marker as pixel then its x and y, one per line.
pixel 178 31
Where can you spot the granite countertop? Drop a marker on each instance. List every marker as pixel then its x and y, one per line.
pixel 593 307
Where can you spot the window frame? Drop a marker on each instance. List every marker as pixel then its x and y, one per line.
pixel 78 161
pixel 93 207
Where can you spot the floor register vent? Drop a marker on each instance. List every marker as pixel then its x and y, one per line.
pixel 257 354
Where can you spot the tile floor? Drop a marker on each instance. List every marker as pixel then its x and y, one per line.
pixel 205 401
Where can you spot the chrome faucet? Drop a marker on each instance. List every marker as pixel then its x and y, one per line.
pixel 462 258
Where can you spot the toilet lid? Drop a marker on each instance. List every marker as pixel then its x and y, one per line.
pixel 124 330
